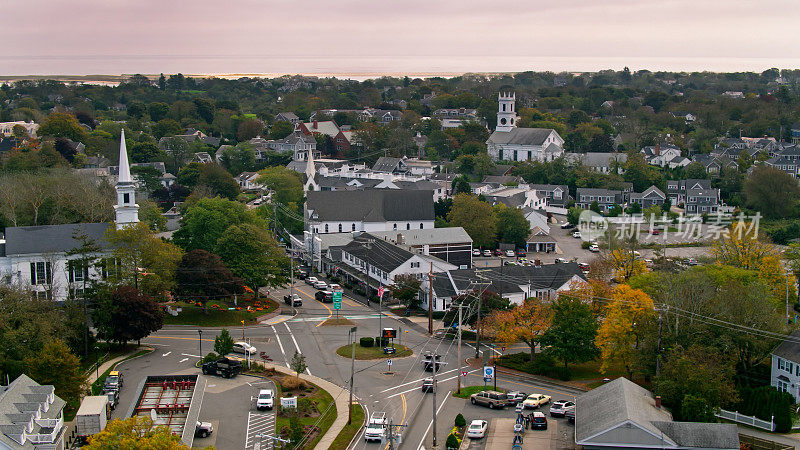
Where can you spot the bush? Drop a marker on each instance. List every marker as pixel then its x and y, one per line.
pixel 381 342
pixel 542 364
pixel 766 401
pixel 366 342
pixel 585 245
pixel 452 442
pixel 289 383
pixel 460 420
pixel 210 357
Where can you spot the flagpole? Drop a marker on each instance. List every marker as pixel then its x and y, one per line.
pixel 380 313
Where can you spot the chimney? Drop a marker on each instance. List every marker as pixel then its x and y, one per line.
pixel 315 124
pixel 399 238
pixel 657 150
pixel 658 401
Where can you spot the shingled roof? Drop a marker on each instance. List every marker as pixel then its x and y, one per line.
pixel 371 205
pixel 52 238
pixel 521 136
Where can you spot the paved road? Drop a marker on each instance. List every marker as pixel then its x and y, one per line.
pixel 397 393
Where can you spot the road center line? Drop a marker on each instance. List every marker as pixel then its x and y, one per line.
pixel 416 381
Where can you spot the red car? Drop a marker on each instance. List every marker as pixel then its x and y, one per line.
pixel 498 252
pixel 655 232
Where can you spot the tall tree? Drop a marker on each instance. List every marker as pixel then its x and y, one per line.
pixel 56 365
pixel 205 222
pixel 571 335
pixel 406 290
pixel 512 226
pixel 286 184
pixel 253 255
pixel 223 343
pixel 620 334
pixel 219 180
pixel 526 323
pixel 201 276
pixel 476 217
pixel 62 125
pixel 772 192
pixel 126 314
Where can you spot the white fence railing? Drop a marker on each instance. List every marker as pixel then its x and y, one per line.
pixel 747 420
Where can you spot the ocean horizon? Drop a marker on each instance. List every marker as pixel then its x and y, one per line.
pixel 363 67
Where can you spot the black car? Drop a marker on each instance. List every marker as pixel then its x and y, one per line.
pixel 324 296
pixel 288 300
pixel 427 385
pixel 302 273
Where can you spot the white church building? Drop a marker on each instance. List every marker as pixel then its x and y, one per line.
pixel 510 143
pixel 37 257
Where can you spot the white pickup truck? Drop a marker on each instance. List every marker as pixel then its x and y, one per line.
pixel 376 427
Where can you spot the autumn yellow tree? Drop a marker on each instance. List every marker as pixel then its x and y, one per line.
pixel 741 246
pixel 618 336
pixel 594 292
pixel 625 265
pixel 523 323
pixel 136 433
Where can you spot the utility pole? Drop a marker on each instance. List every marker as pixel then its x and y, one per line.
pixel 435 369
pixel 460 306
pixel 352 371
pixel 430 300
pixel 478 328
pixel 291 280
pixel 658 348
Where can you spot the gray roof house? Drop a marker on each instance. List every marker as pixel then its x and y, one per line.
pixel 388 164
pixel 31 416
pixel 605 198
pixel 622 414
pixel 369 210
pixel 651 196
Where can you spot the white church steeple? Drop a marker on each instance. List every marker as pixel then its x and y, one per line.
pixel 126 209
pixel 506 116
pixel 310 174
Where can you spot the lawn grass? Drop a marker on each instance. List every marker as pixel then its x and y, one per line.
pixel 373 352
pixel 347 433
pixel 221 316
pixel 467 391
pixel 323 400
pixel 553 368
pixel 335 322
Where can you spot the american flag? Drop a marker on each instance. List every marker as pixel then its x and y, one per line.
pixel 380 292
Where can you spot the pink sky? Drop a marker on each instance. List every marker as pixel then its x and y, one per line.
pixel 124 36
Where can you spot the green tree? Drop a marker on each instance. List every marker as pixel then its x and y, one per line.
pixel 149 177
pixel 574 215
pixel 167 127
pixel 239 159
pixel 772 192
pixel 298 363
pixel 512 226
pixel 205 222
pixel 406 290
pixel 146 152
pixel 141 258
pixel 136 433
pixel 253 255
pixel 286 184
pixel 249 129
pixel 201 276
pixel 280 130
pixel 189 175
pixel 699 372
pixel 158 111
pixel 476 217
pixel 62 125
pixel 461 185
pixel 219 181
pixel 695 171
pixel 223 343
pixel 483 165
pixel 56 365
pixel 571 335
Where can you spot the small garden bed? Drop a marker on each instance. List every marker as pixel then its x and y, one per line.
pixel 373 352
pixel 220 313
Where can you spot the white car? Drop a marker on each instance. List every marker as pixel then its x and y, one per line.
pixel 560 407
pixel 487 253
pixel 265 399
pixel 243 347
pixel 535 401
pixel 321 285
pixel 510 253
pixel 476 252
pixel 312 280
pixel 477 429
pixel 594 248
pixel 576 234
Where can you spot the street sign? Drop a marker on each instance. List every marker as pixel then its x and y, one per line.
pixel 464 374
pixel 389 362
pixel 337 299
pixel 337 305
pixel 488 373
pixel 389 333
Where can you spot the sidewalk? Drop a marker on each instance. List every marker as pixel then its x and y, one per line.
pixel 340 397
pixel 92 374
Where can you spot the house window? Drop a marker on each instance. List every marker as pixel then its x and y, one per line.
pixel 415 265
pixel 340 228
pixel 408 226
pixel 420 226
pixel 353 227
pixel 395 226
pixel 781 365
pixel 40 273
pixel 326 227
pixel 78 271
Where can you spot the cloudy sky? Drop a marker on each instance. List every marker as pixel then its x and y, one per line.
pixel 348 36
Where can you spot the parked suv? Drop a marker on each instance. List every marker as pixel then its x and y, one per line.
pixel 265 399
pixel 560 407
pixel 492 399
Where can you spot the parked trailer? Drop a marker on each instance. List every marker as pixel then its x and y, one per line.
pixel 92 416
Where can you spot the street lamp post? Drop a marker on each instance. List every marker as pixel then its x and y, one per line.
pixel 200 340
pixel 96 363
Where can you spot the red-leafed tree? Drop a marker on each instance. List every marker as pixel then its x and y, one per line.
pixel 202 276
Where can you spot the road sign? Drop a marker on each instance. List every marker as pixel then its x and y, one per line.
pixel 488 373
pixel 464 374
pixel 389 362
pixel 337 305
